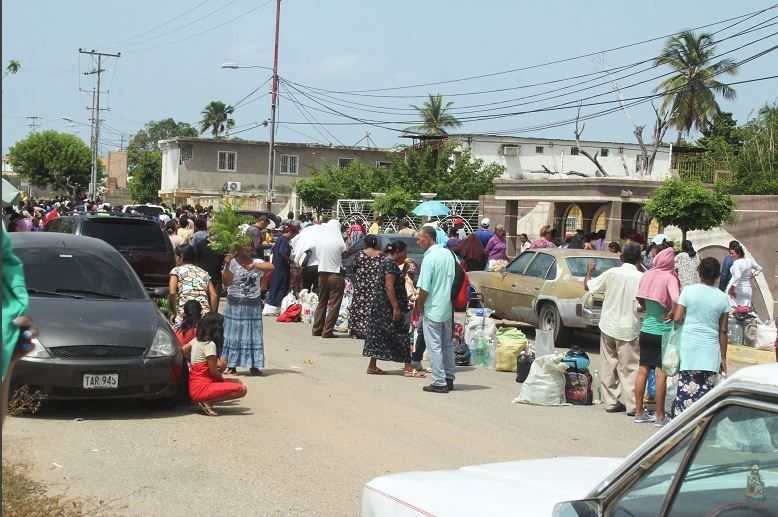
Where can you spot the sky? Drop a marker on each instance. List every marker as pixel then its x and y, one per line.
pixel 172 52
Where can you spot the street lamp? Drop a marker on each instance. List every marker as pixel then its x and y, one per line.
pixel 272 144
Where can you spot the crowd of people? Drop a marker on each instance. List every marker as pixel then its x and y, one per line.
pixel 654 290
pixel 657 294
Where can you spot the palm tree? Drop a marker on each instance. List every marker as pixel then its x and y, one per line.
pixel 13 67
pixel 691 92
pixel 216 117
pixel 435 117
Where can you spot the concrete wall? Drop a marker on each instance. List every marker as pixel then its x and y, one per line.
pixel 116 167
pixel 557 157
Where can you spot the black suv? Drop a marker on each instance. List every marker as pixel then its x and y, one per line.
pixel 141 240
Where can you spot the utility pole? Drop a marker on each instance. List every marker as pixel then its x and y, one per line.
pixel 121 143
pixel 272 150
pixel 96 113
pixel 33 123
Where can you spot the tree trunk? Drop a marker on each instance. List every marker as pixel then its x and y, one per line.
pixel 683 234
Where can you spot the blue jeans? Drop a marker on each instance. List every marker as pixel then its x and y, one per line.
pixel 440 350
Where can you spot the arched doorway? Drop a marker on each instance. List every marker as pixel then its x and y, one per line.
pixel 600 219
pixel 573 219
pixel 646 225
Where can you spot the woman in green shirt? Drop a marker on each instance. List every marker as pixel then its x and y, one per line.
pixel 658 293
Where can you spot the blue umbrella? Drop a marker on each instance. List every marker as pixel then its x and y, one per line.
pixel 431 209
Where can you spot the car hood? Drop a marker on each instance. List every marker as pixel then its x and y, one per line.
pixel 529 487
pixel 68 322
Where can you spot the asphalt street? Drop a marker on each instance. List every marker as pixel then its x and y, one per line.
pixel 311 431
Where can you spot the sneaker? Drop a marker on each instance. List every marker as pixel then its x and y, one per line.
pixel 434 388
pixel 644 418
pixel 450 384
pixel 661 422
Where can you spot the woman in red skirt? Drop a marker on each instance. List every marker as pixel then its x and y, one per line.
pixel 207 386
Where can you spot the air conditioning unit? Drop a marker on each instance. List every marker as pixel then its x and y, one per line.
pixel 233 186
pixel 510 150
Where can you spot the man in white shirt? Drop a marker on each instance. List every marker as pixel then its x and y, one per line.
pixel 329 251
pixel 619 329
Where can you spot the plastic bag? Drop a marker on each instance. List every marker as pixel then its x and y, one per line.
pixel 765 335
pixel 671 358
pixel 270 310
pixel 651 386
pixel 479 326
pixel 511 342
pixel 341 324
pixel 747 435
pixel 288 300
pixel 545 385
pixel 544 342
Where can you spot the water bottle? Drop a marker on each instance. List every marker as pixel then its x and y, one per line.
pixel 737 335
pixel 491 362
pixel 473 348
pixel 481 352
pixel 597 388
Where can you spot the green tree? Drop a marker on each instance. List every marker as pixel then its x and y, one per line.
pixel 217 118
pixel 146 139
pixel 689 205
pixel 756 163
pixel 228 227
pixel 692 89
pixel 318 192
pixel 435 117
pixel 396 202
pixel 13 67
pixel 146 177
pixel 60 160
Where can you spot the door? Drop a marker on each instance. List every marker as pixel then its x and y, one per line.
pixel 530 285
pixel 501 293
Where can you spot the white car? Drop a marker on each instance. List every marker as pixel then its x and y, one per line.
pixel 719 458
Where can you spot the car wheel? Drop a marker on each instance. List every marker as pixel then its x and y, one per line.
pixel 549 319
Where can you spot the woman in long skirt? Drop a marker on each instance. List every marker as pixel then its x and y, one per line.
pixel 280 279
pixel 387 334
pixel 367 284
pixel 243 343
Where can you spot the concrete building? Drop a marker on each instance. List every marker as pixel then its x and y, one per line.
pixel 531 158
pixel 199 170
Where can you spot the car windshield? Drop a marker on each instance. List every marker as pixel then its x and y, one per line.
pixel 155 211
pixel 578 265
pixel 127 234
pixel 85 273
pixel 413 245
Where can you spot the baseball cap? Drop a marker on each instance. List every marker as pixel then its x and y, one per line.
pixel 458 220
pixel 485 222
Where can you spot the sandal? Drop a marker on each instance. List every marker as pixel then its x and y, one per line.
pixel 208 411
pixel 414 373
pixel 377 371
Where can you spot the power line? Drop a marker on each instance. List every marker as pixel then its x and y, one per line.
pixel 171 20
pixel 555 62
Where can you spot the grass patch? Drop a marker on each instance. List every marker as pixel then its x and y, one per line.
pixel 24 497
pixel 25 402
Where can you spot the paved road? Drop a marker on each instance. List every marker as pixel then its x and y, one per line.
pixel 309 434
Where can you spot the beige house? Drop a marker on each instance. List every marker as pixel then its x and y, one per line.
pixel 205 171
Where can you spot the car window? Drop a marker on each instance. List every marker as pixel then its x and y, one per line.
pixel 579 265
pixel 539 267
pixel 519 264
pixel 50 269
pixel 722 473
pixel 66 224
pixel 154 211
pixel 645 497
pixel 127 234
pixel 413 245
pixel 551 275
pixel 54 225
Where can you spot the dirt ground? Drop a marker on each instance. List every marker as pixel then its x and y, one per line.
pixel 310 433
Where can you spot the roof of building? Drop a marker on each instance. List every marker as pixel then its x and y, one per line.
pixel 281 144
pixel 535 139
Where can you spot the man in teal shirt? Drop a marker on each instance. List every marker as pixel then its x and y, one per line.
pixel 434 304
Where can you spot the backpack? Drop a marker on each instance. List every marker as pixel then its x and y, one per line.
pixel 461 284
pixel 578 387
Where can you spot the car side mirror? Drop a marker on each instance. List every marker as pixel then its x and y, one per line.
pixel 158 292
pixel 582 508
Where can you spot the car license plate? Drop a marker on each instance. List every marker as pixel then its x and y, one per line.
pixel 101 381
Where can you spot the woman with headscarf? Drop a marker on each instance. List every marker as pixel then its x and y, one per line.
pixel 545 240
pixel 686 263
pixel 743 270
pixel 472 252
pixel 657 296
pixel 366 286
pixel 387 336
pixel 280 279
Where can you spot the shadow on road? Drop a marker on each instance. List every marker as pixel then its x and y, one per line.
pixel 470 387
pixel 278 371
pixel 118 409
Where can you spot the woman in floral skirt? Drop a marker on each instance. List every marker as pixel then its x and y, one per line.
pixel 366 287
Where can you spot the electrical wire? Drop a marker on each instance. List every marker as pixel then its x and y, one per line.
pixel 555 62
pixel 206 30
pixel 238 104
pixel 168 22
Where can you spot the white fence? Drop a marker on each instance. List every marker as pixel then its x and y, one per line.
pixel 362 211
